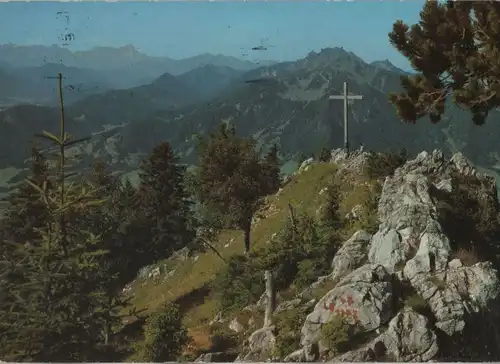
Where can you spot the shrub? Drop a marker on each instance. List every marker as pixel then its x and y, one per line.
pixel 288 325
pixel 468 257
pixel 381 165
pixel 330 221
pixel 240 282
pixel 369 218
pixel 368 214
pixel 294 245
pixel 297 256
pixel 417 303
pixel 335 334
pixel 222 339
pixel 467 216
pixel 164 335
pixel 307 272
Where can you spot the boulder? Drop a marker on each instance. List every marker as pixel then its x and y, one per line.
pixel 364 297
pixel 352 255
pixel 259 346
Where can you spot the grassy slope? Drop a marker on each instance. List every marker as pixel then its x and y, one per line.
pixel 188 286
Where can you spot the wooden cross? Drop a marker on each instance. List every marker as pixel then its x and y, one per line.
pixel 346 97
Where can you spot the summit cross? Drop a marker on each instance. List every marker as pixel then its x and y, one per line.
pixel 346 97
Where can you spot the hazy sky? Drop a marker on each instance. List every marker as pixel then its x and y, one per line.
pixel 183 29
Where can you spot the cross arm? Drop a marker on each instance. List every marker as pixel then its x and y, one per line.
pixel 349 97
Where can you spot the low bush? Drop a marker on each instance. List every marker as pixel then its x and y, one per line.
pixel 288 325
pixel 336 334
pixel 298 256
pixel 381 165
pixel 222 338
pixel 164 336
pixel 239 283
pixel 470 219
pixel 418 304
pixel 468 257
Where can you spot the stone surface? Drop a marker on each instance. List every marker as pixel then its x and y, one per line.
pixel 351 255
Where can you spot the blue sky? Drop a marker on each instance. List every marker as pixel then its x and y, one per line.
pixel 184 29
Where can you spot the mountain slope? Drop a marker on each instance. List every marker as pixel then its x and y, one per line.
pixel 119 106
pixel 34 84
pixel 286 103
pixel 386 64
pixel 210 80
pixel 290 106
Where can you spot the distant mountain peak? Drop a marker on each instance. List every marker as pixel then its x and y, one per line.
pixel 387 65
pixel 332 54
pixel 165 78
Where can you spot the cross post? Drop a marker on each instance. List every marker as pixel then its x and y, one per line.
pixel 346 97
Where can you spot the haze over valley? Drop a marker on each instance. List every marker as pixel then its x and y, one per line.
pixel 129 109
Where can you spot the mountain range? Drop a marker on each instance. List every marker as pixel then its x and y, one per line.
pixel 27 68
pixel 285 103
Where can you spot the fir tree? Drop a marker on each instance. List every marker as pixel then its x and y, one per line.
pixel 271 170
pixel 49 310
pixel 230 180
pixel 104 221
pixel 163 205
pixel 26 213
pixel 455 52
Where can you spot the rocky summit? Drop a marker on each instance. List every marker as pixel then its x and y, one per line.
pixel 408 291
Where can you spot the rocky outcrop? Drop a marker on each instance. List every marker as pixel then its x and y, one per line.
pixel 364 297
pixel 259 346
pixel 402 287
pixel 352 255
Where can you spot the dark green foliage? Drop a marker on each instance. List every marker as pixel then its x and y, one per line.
pixel 297 256
pixel 240 283
pixel 288 325
pixel 231 179
pixel 336 335
pixel 271 170
pixel 104 221
pixel 467 215
pixel 330 221
pixel 162 207
pixel 296 242
pixel 369 219
pixel 49 311
pixel 454 49
pixel 25 212
pixel 381 165
pixel 164 336
pixel 223 339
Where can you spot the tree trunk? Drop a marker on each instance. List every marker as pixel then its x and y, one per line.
pixel 270 298
pixel 246 231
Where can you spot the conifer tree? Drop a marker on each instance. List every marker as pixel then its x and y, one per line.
pixel 164 335
pixel 163 205
pixel 455 52
pixel 271 170
pixel 104 221
pixel 230 180
pixel 25 213
pixel 49 310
